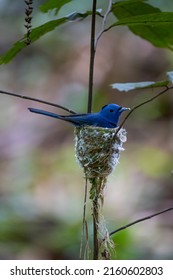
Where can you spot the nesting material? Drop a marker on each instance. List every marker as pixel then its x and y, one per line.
pixel 98 149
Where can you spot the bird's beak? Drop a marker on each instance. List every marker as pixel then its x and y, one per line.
pixel 124 109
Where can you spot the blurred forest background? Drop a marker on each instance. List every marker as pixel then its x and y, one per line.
pixel 41 184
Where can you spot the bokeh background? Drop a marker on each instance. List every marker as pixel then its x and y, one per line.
pixel 41 184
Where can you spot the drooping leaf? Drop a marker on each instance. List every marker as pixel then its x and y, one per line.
pixel 53 4
pixel 38 32
pixel 129 8
pixel 11 53
pixel 131 86
pixel 170 76
pixel 145 21
pixel 156 28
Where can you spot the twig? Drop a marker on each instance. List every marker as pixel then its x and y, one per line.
pixel 96 219
pixel 37 100
pixel 141 104
pixel 87 249
pixel 93 46
pixel 140 220
pixel 95 231
pixel 103 23
pixel 92 57
pixel 84 224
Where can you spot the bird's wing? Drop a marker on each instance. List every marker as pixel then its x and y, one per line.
pixel 81 119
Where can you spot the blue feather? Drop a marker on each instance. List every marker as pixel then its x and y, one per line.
pixel 107 117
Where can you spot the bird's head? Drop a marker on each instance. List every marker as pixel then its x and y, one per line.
pixel 112 112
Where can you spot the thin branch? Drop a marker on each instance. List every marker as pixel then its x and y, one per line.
pixel 95 228
pixel 141 220
pixel 87 248
pixel 92 57
pixel 93 46
pixel 103 27
pixel 84 224
pixel 109 27
pixel 37 100
pixel 141 104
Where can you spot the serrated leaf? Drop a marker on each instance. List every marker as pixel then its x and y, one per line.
pixel 145 21
pixel 53 4
pixel 38 32
pixel 170 76
pixel 131 86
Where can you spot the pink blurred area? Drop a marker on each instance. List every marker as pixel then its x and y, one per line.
pixel 41 185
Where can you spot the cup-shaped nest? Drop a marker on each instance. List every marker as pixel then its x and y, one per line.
pixel 98 149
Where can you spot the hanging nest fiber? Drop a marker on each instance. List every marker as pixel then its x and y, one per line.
pixel 97 151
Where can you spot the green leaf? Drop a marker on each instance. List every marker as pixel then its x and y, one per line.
pixel 130 8
pixel 9 55
pixel 38 32
pixel 131 86
pixel 145 21
pixel 53 4
pixel 156 28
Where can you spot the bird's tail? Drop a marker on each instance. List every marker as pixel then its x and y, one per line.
pixel 46 113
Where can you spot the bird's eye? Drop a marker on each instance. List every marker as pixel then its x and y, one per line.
pixel 111 110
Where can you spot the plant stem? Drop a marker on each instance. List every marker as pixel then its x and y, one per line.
pixel 141 220
pixel 84 226
pixel 92 57
pixel 103 27
pixel 96 221
pixel 141 104
pixel 37 100
pixel 95 229
pixel 97 183
pixel 89 109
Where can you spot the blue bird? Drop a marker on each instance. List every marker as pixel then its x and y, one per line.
pixel 108 117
